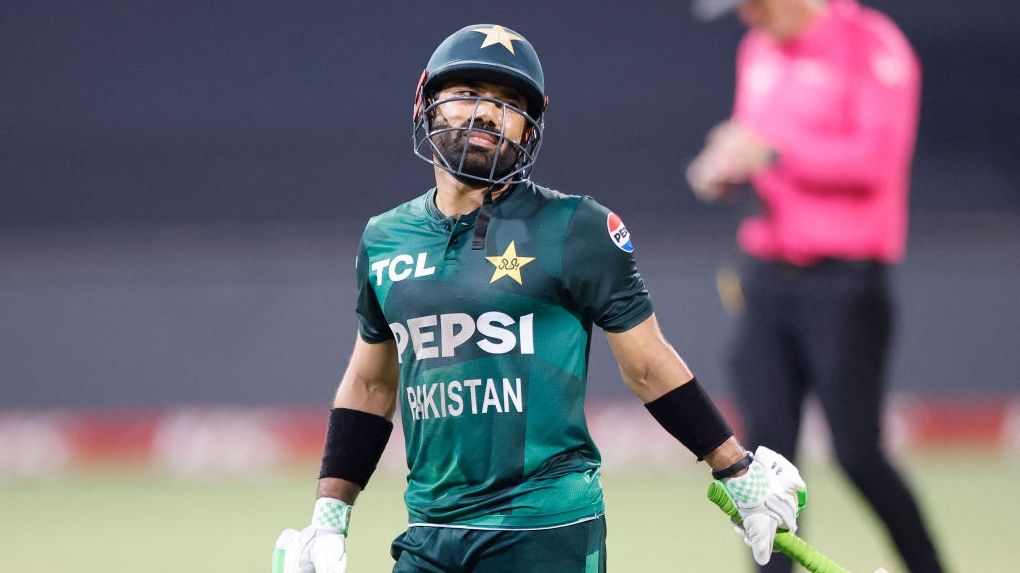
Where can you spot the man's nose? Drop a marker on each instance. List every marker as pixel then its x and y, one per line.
pixel 490 112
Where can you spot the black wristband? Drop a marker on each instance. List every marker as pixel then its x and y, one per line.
pixel 738 465
pixel 690 416
pixel 355 441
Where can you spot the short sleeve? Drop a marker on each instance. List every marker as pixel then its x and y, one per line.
pixel 372 325
pixel 600 272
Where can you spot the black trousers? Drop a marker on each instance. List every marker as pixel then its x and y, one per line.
pixel 826 330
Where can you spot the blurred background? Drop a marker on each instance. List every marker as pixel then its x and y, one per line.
pixel 183 185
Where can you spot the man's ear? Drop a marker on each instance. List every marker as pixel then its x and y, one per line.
pixel 419 96
pixel 434 112
pixel 526 136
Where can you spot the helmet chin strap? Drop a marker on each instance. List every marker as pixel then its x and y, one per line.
pixel 482 221
pixel 485 214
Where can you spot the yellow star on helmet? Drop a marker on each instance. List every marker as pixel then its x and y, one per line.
pixel 509 264
pixel 498 35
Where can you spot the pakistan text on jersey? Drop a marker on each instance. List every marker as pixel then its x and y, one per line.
pixel 457 328
pixel 470 398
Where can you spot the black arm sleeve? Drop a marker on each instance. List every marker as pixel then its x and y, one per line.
pixel 355 441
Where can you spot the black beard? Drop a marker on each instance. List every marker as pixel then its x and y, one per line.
pixel 478 160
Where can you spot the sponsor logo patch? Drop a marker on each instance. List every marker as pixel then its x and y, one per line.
pixel 618 233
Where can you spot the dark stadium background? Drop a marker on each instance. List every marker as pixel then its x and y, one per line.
pixel 182 185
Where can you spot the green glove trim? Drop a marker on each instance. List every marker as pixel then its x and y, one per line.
pixel 278 556
pixel 749 488
pixel 331 513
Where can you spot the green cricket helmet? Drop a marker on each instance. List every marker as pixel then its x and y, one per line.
pixel 490 53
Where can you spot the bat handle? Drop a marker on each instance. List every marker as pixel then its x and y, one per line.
pixel 787 543
pixel 800 551
pixel 718 495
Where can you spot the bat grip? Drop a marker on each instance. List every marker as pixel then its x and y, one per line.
pixel 810 558
pixel 718 495
pixel 785 542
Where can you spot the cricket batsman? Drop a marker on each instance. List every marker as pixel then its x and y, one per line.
pixel 476 303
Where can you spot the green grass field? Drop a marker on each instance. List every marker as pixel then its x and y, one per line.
pixel 134 521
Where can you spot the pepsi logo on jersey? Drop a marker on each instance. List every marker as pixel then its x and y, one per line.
pixel 457 328
pixel 618 233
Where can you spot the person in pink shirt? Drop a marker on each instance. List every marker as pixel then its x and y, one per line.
pixel 823 129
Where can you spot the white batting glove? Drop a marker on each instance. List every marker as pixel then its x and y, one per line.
pixel 319 548
pixel 768 498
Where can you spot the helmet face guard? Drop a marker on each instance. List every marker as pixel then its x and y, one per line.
pixel 455 160
pixel 488 53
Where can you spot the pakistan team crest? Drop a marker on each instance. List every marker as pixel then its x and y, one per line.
pixel 509 264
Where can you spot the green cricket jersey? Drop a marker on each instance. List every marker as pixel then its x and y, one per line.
pixel 493 350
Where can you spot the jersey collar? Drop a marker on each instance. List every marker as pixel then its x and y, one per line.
pixel 513 193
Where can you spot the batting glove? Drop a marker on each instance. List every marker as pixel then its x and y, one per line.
pixel 319 548
pixel 769 497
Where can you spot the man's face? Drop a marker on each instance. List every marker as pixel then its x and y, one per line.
pixel 490 119
pixel 780 19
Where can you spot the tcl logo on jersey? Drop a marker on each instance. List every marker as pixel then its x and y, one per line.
pixel 401 267
pixel 618 233
pixel 434 336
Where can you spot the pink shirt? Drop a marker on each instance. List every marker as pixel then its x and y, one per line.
pixel 839 104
